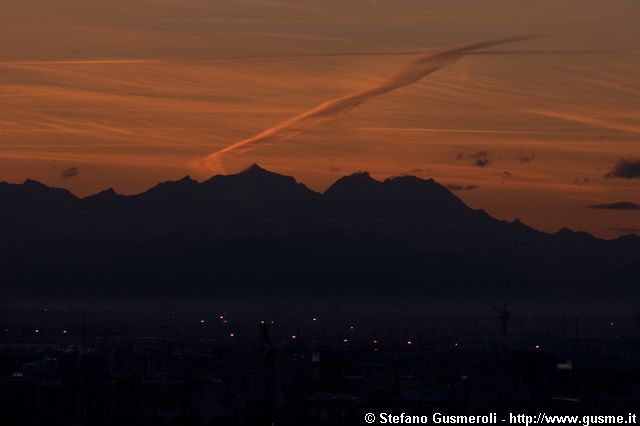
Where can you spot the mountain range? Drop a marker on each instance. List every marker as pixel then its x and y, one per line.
pixel 258 237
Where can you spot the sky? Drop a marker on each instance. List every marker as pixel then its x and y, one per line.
pixel 124 94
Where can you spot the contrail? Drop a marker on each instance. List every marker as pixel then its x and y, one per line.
pixel 415 70
pixel 134 61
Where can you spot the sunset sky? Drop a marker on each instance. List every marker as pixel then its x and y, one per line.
pixel 123 94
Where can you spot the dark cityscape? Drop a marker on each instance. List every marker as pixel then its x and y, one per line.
pixel 164 367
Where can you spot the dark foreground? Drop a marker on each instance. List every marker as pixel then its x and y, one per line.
pixel 172 367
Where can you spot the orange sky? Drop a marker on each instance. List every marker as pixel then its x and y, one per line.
pixel 132 91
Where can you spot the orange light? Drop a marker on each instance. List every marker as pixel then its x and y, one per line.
pixel 294 337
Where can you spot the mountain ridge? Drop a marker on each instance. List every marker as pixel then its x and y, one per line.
pixel 360 230
pixel 255 173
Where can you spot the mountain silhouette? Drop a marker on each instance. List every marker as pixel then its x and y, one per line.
pixel 261 237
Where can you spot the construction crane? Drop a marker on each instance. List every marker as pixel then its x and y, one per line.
pixel 268 355
pixel 505 314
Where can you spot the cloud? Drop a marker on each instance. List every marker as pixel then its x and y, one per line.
pixel 581 181
pixel 456 187
pixel 621 205
pixel 69 173
pixel 415 70
pixel 481 158
pixel 526 156
pixel 626 168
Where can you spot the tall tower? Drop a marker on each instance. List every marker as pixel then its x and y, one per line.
pixel 268 356
pixel 505 315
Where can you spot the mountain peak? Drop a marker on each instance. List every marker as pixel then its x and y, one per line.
pixel 34 184
pixel 36 188
pixel 361 176
pixel 104 199
pixel 107 193
pixel 255 168
pixel 256 172
pixel 186 180
pixel 357 182
pixel 256 182
pixel 180 184
pixel 409 181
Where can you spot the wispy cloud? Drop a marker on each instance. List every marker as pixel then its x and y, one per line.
pixel 626 168
pixel 481 158
pixel 456 187
pixel 580 181
pixel 526 156
pixel 589 120
pixel 621 205
pixel 69 173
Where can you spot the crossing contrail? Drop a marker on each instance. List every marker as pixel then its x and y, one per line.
pixel 415 70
